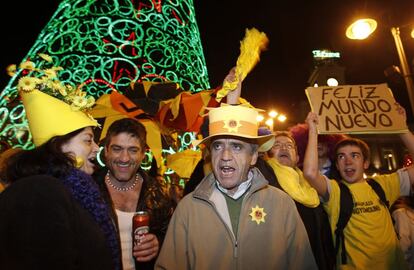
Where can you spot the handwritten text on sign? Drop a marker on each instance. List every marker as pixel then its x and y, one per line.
pixel 355 109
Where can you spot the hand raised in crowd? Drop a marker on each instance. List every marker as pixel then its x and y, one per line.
pixel 147 249
pixel 312 121
pixel 233 96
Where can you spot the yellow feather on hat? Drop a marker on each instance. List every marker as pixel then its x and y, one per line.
pixel 250 47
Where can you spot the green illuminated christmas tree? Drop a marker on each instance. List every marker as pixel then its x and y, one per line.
pixel 105 45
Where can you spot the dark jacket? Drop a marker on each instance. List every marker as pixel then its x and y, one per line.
pixel 42 226
pixel 152 199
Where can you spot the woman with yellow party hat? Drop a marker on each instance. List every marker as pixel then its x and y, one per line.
pixel 52 213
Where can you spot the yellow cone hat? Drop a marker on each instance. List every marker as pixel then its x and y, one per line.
pixel 49 116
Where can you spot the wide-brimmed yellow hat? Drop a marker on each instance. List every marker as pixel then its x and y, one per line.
pixel 236 121
pixel 49 116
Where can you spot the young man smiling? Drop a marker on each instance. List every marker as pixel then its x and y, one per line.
pixel 234 219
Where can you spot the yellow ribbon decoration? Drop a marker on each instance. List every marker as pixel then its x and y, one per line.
pixel 294 183
pixel 250 47
pixel 184 162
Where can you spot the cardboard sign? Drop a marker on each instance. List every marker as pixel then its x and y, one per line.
pixel 356 109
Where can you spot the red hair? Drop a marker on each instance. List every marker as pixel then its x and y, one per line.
pixel 300 133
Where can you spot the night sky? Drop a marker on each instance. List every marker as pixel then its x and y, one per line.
pixel 294 29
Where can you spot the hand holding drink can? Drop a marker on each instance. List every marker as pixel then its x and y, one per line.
pixel 140 226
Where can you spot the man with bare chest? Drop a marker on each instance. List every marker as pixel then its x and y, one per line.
pixel 128 189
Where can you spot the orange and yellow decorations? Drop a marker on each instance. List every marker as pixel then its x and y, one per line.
pixel 258 214
pixel 186 111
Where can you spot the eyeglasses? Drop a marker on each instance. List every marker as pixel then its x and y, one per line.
pixel 288 146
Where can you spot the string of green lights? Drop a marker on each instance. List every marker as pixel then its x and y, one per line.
pixel 107 45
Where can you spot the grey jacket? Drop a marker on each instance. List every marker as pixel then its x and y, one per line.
pixel 200 234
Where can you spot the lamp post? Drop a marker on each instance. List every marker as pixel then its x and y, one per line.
pixel 270 122
pixel 404 65
pixel 362 28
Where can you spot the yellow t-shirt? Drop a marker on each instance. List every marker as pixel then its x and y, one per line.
pixel 370 239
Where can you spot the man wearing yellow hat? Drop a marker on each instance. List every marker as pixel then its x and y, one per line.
pixel 234 219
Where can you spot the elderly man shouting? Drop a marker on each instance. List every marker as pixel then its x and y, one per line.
pixel 234 219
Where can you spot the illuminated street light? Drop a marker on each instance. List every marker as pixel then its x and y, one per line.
pixel 269 123
pixel 362 28
pixel 271 120
pixel 282 118
pixel 273 113
pixel 332 82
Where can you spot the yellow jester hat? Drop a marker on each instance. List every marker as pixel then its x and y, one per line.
pixel 49 116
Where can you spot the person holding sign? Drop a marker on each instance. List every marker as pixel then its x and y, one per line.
pixel 367 240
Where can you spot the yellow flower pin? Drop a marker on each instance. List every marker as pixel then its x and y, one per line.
pixel 258 214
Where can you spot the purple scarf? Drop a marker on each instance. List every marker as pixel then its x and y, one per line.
pixel 86 192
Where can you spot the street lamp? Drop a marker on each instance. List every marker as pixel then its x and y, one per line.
pixel 282 118
pixel 273 113
pixel 273 116
pixel 362 28
pixel 269 122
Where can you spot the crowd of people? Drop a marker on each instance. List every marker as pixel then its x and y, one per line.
pixel 257 199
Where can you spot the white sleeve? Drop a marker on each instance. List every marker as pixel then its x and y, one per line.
pixel 405 183
pixel 401 223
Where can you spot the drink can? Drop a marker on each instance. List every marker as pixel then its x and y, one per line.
pixel 140 226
